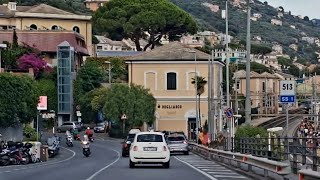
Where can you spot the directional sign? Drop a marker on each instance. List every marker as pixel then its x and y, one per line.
pixel 229 113
pixel 287 99
pixel 287 88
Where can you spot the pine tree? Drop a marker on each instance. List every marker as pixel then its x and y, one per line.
pixel 15 39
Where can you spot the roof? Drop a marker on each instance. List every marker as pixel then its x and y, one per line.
pixel 242 74
pixel 46 41
pixel 154 132
pixel 118 53
pixel 172 51
pixel 284 75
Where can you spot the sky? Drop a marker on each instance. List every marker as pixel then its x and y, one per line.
pixel 308 8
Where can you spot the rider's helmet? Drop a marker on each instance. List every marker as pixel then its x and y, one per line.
pixel 88 127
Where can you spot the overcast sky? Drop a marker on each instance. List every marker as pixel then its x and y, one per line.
pixel 299 7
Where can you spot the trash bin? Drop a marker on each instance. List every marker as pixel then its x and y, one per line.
pixel 44 153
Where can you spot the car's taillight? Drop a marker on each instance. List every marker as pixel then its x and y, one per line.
pixel 185 142
pixel 164 148
pixel 125 145
pixel 135 148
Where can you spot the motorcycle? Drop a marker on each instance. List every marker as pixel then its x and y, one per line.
pixel 69 139
pixel 86 148
pixel 15 153
pixel 26 152
pixel 53 146
pixel 91 137
pixel 4 158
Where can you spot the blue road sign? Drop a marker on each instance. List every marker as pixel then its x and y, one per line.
pixel 287 99
pixel 229 113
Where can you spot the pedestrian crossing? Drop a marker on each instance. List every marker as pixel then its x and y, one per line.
pixel 211 169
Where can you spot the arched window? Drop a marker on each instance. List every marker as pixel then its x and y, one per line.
pixel 171 81
pixel 76 29
pixel 33 27
pixel 54 27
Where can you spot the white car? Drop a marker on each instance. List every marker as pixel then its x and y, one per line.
pixel 149 148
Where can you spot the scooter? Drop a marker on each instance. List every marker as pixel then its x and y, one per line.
pixel 86 148
pixel 69 141
pixel 91 138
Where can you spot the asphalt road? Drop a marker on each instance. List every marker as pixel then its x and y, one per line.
pixel 105 163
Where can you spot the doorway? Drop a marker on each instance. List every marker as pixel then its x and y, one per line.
pixel 192 128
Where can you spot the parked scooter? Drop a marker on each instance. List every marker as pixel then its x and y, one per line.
pixel 86 146
pixel 26 152
pixel 69 139
pixel 53 146
pixel 15 153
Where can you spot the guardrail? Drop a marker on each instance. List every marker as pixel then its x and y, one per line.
pixel 279 168
pixel 307 174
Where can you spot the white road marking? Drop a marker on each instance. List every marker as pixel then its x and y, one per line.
pixel 106 167
pixel 43 163
pixel 224 176
pixel 202 172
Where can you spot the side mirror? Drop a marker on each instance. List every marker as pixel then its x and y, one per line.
pixel 128 142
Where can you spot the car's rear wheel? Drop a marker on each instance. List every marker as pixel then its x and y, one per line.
pixel 123 154
pixel 166 165
pixel 131 164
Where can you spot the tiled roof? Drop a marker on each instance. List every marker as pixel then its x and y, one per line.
pixel 242 74
pixel 117 53
pixel 40 8
pixel 46 41
pixel 171 51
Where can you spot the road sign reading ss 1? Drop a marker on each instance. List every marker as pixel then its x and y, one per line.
pixel 287 99
pixel 287 88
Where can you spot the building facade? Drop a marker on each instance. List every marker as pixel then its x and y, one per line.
pixel 168 71
pixel 264 89
pixel 43 17
pixel 93 5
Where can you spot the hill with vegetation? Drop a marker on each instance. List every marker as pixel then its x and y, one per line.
pixel 283 35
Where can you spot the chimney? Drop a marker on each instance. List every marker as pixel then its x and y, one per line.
pixel 12 6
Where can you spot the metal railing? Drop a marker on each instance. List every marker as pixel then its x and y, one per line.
pixel 302 153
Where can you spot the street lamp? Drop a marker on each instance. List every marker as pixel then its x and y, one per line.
pixel 248 94
pixel 109 63
pixel 2 46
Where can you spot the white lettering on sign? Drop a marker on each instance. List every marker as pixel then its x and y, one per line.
pixel 287 88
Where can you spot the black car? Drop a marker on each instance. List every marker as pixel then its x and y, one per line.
pixel 126 145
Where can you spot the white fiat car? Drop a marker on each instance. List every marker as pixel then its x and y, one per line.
pixel 149 148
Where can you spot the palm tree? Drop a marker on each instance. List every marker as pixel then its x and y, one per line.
pixel 201 82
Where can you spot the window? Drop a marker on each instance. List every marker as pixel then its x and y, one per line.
pixel 176 138
pixel 33 27
pixel 149 138
pixel 76 29
pixel 263 86
pixel 171 81
pixel 54 27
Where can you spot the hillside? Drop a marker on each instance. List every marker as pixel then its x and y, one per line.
pixel 284 35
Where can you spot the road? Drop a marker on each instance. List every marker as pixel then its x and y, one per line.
pixel 106 163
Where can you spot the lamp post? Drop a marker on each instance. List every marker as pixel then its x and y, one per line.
pixel 109 63
pixel 2 46
pixel 248 94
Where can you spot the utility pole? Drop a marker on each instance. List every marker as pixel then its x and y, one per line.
pixel 236 105
pixel 248 94
pixel 227 57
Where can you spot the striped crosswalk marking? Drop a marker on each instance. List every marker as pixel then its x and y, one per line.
pixel 216 171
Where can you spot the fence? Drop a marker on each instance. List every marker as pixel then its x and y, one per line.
pixel 299 151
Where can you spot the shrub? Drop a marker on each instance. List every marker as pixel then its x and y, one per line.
pixel 29 133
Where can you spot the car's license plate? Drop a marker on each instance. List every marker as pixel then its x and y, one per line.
pixel 150 149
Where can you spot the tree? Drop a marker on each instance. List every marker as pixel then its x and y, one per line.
pixel 47 87
pixel 258 49
pixel 199 83
pixel 33 61
pixel 136 102
pixel 135 19
pixel 18 97
pixel 89 77
pixel 265 3
pixel 306 18
pixel 15 39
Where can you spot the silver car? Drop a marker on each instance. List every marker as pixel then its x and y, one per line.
pixel 178 143
pixel 67 126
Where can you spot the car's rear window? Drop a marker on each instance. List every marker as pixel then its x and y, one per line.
pixel 149 138
pixel 131 137
pixel 176 138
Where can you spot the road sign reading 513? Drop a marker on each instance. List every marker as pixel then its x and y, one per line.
pixel 287 87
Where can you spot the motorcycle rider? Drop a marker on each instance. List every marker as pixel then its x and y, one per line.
pixel 75 134
pixel 89 132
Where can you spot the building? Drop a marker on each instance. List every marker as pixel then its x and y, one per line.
pixel 224 39
pixel 46 43
pixel 106 44
pixel 276 22
pixel 277 48
pixel 93 5
pixel 213 8
pixel 310 40
pixel 43 17
pixel 264 90
pixel 168 71
pixel 192 41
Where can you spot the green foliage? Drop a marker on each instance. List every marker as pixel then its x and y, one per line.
pixel 134 101
pixel 88 78
pixel 11 54
pixel 256 67
pixel 47 87
pixel 250 131
pixel 201 82
pixel 29 133
pixel 132 18
pixel 119 72
pixel 259 49
pixel 284 61
pixel 18 97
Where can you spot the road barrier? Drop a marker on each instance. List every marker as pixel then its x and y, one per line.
pixel 279 168
pixel 307 174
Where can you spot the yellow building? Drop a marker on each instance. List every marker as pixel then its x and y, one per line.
pixel 45 18
pixel 264 89
pixel 93 5
pixel 168 71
